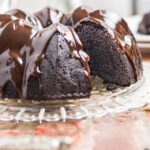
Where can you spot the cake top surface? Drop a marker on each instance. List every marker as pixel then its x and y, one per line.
pixel 80 13
pixel 49 15
pixel 21 56
pixel 32 19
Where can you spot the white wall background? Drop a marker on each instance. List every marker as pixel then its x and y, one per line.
pixel 122 7
pixel 143 6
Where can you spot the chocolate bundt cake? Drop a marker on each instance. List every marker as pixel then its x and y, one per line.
pixel 42 59
pixel 144 26
pixel 17 13
pixel 32 19
pixel 110 44
pixel 41 64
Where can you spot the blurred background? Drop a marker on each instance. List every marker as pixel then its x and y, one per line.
pixel 123 7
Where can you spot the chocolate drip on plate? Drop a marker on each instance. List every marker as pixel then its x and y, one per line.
pixel 80 13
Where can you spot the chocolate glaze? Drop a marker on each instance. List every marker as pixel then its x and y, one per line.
pixel 22 48
pixel 17 13
pixel 120 32
pixel 76 15
pixel 49 15
pixel 32 19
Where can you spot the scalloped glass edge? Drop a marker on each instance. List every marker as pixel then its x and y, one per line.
pixel 101 103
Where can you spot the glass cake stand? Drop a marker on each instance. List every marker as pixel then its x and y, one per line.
pixel 101 103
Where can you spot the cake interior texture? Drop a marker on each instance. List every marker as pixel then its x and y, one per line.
pixel 106 61
pixel 61 75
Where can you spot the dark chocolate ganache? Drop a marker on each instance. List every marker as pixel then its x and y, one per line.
pixel 80 13
pixel 49 15
pixel 23 46
pixel 17 13
pixel 32 19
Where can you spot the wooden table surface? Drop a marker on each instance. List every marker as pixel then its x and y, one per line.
pixel 130 131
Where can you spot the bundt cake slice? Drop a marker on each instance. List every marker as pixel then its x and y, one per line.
pixel 17 13
pixel 111 46
pixel 41 64
pixel 40 19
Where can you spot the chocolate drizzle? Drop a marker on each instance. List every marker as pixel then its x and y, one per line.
pixel 49 15
pixel 32 19
pixel 22 48
pixel 80 13
pixel 119 32
pixel 17 13
pixel 79 53
pixel 40 19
